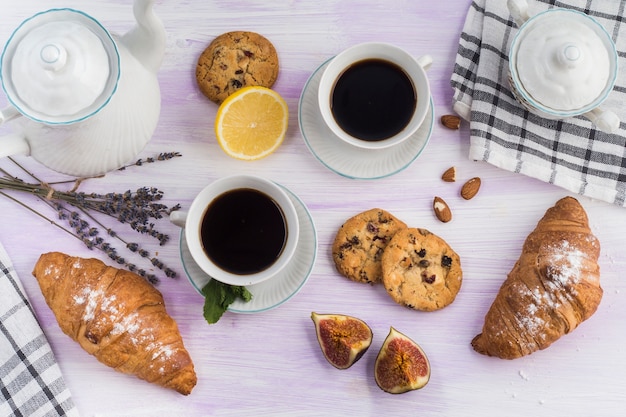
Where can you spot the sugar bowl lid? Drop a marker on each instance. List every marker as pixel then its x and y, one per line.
pixel 564 60
pixel 59 66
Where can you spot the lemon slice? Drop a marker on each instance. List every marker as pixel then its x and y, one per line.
pixel 251 123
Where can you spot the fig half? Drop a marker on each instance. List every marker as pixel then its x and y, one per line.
pixel 343 339
pixel 401 365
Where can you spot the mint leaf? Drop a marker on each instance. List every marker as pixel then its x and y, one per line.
pixel 243 293
pixel 218 296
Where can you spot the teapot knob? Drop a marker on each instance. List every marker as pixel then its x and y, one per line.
pixel 569 56
pixel 53 57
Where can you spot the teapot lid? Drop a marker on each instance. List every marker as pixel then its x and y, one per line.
pixel 565 60
pixel 59 67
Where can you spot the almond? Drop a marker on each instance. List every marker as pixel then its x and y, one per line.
pixel 449 175
pixel 451 121
pixel 442 210
pixel 470 188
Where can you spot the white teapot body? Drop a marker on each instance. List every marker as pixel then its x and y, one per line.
pixel 84 121
pixel 562 64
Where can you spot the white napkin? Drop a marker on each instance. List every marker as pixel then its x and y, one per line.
pixel 31 383
pixel 572 153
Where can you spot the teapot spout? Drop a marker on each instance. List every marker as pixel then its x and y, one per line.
pixel 146 41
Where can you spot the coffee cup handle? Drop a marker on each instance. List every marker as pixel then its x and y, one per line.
pixel 179 218
pixel 425 61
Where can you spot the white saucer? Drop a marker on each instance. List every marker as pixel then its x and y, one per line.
pixel 347 160
pixel 273 292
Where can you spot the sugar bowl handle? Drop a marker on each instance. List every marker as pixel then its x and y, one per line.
pixel 605 120
pixel 519 11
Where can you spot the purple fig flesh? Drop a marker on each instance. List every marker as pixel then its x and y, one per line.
pixel 401 365
pixel 343 339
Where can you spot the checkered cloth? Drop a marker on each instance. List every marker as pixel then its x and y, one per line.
pixel 571 153
pixel 31 384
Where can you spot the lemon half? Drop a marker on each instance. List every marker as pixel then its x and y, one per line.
pixel 251 123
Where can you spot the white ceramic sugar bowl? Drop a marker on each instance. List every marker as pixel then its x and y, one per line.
pixel 84 101
pixel 562 64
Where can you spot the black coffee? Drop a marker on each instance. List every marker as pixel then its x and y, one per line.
pixel 373 100
pixel 243 231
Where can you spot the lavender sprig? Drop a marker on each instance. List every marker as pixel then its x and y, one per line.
pixel 164 156
pixel 139 210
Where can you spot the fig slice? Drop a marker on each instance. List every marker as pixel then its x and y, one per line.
pixel 343 339
pixel 401 365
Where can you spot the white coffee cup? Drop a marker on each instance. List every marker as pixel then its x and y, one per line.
pixel 413 68
pixel 192 221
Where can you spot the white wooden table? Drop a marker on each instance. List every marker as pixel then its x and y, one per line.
pixel 269 364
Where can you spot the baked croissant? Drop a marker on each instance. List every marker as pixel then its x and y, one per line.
pixel 552 288
pixel 116 316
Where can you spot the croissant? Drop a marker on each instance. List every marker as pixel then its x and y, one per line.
pixel 552 288
pixel 116 316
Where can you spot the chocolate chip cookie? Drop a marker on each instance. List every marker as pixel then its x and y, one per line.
pixel 360 242
pixel 235 60
pixel 420 270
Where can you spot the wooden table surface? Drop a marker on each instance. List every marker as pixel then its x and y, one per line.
pixel 270 364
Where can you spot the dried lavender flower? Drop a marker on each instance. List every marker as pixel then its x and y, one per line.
pixel 164 156
pixel 139 209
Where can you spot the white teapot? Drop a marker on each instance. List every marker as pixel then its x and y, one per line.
pixel 562 63
pixel 85 101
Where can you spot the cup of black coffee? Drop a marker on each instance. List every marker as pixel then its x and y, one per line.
pixel 240 230
pixel 374 95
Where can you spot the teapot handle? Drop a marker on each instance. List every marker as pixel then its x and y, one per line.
pixel 605 120
pixel 8 113
pixel 14 144
pixel 519 11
